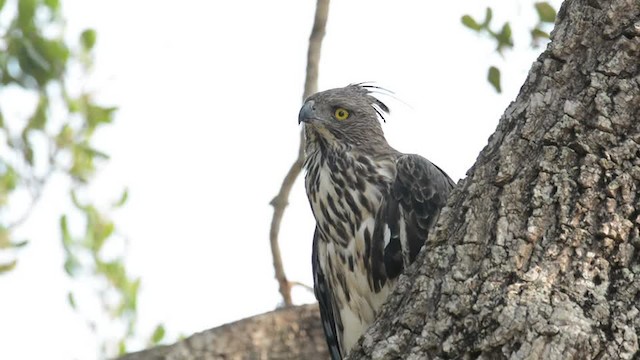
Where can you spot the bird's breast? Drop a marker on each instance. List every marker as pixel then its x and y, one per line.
pixel 345 193
pixel 353 293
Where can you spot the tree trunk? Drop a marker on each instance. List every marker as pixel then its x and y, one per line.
pixel 290 333
pixel 535 255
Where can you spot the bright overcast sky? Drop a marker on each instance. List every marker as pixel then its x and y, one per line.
pixel 209 93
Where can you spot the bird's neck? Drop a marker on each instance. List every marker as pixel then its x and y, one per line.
pixel 323 147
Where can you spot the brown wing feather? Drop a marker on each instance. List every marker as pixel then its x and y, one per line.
pixel 417 194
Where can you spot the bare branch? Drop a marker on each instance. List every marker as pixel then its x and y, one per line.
pixel 280 202
pixel 315 45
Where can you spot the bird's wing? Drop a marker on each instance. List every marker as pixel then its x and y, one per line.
pixel 331 323
pixel 407 214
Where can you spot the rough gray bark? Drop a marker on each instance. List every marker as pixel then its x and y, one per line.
pixel 289 333
pixel 536 255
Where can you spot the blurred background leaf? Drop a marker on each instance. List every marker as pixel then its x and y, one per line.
pixel 494 78
pixel 504 37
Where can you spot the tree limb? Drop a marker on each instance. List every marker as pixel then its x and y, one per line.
pixel 291 333
pixel 280 202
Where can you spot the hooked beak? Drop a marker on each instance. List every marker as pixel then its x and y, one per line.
pixel 307 112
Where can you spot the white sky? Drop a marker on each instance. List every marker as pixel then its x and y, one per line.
pixel 209 93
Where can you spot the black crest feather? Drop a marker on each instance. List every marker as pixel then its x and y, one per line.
pixel 367 88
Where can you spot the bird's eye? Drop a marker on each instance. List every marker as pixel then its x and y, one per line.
pixel 341 114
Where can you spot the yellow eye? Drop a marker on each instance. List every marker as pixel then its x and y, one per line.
pixel 341 114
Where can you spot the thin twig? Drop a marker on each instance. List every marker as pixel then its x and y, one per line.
pixel 281 200
pixel 302 285
pixel 36 194
pixel 36 187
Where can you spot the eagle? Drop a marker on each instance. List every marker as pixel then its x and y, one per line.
pixel 373 205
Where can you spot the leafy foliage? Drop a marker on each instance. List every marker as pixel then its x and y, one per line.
pixel 85 257
pixel 503 37
pixel 33 65
pixel 47 128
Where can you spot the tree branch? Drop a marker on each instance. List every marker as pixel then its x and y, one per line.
pixel 292 333
pixel 280 202
pixel 315 45
pixel 302 285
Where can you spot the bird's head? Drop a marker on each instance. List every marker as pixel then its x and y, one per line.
pixel 347 116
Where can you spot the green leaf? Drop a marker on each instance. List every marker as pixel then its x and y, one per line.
pixel 97 115
pixel 6 267
pixel 5 238
pixel 102 229
pixel 130 294
pixel 2 2
pixel 158 334
pixel 27 151
pixel 31 61
pixel 42 59
pixel 56 53
pixel 122 347
pixel 487 17
pixel 26 12
pixel 71 300
pixel 76 201
pixel 129 291
pixel 74 105
pixel 71 265
pixel 8 180
pixel 67 240
pixel 93 222
pixel 91 151
pixel 494 78
pixel 64 138
pixel 471 23
pixel 123 199
pixel 113 271
pixel 88 39
pixel 546 12
pixel 504 37
pixel 54 5
pixel 39 118
pixel 82 166
pixel 536 34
